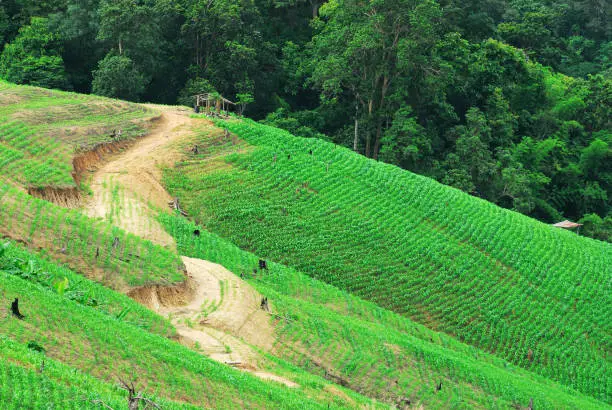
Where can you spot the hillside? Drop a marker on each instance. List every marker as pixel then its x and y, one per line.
pixel 372 350
pixel 45 134
pixel 117 346
pixel 530 293
pixel 91 333
pixel 505 100
pixel 382 289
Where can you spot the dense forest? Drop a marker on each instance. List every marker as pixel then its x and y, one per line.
pixel 509 100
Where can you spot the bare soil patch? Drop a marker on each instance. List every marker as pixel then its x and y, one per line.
pixel 214 311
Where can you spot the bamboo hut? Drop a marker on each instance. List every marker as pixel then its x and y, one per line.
pixel 212 103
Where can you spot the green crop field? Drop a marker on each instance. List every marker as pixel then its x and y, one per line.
pixel 113 338
pixel 23 384
pixel 95 247
pixel 373 350
pixel 386 288
pixel 42 130
pixel 529 293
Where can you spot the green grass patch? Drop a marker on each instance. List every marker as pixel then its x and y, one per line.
pixel 41 130
pixel 106 347
pixel 90 246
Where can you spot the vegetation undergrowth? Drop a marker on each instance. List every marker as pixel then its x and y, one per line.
pixel 39 269
pixel 42 130
pixel 90 246
pixel 32 379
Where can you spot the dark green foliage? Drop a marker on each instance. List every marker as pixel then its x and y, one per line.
pixel 4 25
pixel 194 86
pixel 406 142
pixel 34 57
pixel 33 345
pixel 117 77
pixel 596 227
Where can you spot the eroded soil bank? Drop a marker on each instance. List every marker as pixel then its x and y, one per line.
pixel 214 311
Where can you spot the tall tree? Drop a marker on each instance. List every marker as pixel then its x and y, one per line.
pixel 34 57
pixel 117 77
pixel 361 50
pixel 78 25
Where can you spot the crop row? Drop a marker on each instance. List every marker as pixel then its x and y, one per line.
pixel 107 348
pixel 530 293
pixel 96 247
pixel 373 350
pixel 40 130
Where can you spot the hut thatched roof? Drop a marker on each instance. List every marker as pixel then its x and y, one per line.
pixel 567 224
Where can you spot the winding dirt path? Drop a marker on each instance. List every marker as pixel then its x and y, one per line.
pixel 127 189
pixel 223 320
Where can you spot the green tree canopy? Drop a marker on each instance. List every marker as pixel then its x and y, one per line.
pixel 34 57
pixel 117 77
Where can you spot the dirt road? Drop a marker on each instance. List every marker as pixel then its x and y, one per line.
pixel 224 312
pixel 127 189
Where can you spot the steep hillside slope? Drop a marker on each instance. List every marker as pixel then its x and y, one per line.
pixel 109 337
pixel 267 190
pixel 48 138
pixel 532 294
pixel 372 350
pixel 84 327
pixel 96 248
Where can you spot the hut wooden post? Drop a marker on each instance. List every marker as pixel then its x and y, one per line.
pixel 214 103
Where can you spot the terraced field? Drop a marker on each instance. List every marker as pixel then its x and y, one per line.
pixel 534 295
pixel 42 130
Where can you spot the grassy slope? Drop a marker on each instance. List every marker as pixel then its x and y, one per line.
pixel 24 385
pixel 88 327
pixel 41 270
pixel 97 342
pixel 532 294
pixel 375 351
pixel 86 244
pixel 40 131
pixel 408 357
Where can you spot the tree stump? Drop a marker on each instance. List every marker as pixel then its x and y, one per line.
pixel 15 309
pixel 264 304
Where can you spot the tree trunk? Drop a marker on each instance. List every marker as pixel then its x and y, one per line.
pixel 120 47
pixel 315 9
pixel 356 138
pixel 383 93
pixel 377 141
pixel 368 136
pixel 133 403
pixel 197 49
